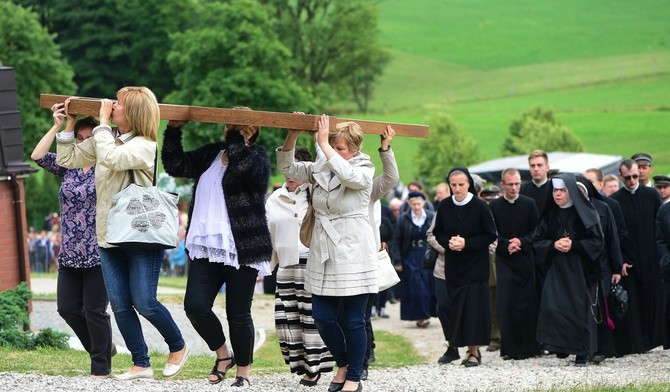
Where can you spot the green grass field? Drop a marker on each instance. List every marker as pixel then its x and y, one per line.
pixel 603 67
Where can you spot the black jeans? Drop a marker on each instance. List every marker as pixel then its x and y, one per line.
pixel 82 303
pixel 204 281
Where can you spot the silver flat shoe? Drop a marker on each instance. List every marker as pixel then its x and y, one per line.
pixel 144 374
pixel 171 370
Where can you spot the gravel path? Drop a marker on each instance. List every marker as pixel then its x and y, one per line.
pixel 493 375
pixel 497 375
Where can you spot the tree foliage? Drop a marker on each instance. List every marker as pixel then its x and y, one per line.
pixel 446 146
pixel 112 44
pixel 335 45
pixel 27 47
pixel 364 71
pixel 233 57
pixel 539 129
pixel 37 205
pixel 14 317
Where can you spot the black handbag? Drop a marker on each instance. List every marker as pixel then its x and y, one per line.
pixel 618 301
pixel 429 258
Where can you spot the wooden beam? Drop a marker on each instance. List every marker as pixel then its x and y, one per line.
pixel 91 107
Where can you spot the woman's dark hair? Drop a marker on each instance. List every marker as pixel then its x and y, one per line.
pixel 254 129
pixel 86 122
pixel 302 154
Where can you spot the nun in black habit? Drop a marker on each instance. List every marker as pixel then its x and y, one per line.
pixel 611 262
pixel 464 226
pixel 570 233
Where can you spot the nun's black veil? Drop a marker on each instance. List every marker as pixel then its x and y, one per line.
pixel 587 213
pixel 464 170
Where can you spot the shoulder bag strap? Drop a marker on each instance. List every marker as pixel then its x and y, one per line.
pixel 132 172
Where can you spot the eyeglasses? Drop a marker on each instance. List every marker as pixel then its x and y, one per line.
pixel 634 176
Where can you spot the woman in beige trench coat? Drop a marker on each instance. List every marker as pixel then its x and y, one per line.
pixel 341 266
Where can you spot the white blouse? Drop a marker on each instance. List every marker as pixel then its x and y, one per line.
pixel 210 235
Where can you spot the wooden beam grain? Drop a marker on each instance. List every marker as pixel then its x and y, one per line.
pixel 91 107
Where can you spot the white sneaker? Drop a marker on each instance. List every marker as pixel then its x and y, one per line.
pixel 373 312
pixel 383 313
pixel 171 370
pixel 144 374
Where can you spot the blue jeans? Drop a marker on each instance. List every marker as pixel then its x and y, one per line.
pixel 131 278
pixel 347 342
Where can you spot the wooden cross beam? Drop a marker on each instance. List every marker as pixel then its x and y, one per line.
pixel 91 107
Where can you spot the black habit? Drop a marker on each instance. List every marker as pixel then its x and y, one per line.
pixel 643 283
pixel 569 303
pixel 663 249
pixel 467 272
pixel 610 263
pixel 541 195
pixel 517 300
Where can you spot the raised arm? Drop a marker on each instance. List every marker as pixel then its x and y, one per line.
pixel 180 163
pixel 58 114
pixel 384 184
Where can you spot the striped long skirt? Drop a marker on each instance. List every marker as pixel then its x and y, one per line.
pixel 299 340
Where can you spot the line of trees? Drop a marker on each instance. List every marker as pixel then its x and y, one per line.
pixel 279 55
pixel 448 146
pixel 266 54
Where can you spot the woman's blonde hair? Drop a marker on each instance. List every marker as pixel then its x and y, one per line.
pixel 351 132
pixel 141 109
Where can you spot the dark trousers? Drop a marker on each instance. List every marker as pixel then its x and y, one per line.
pixel 443 304
pixel 369 332
pixel 204 281
pixel 380 299
pixel 82 302
pixel 347 342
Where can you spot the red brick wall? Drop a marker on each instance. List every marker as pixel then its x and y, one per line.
pixel 9 258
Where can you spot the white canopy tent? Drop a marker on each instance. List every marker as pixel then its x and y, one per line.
pixel 564 162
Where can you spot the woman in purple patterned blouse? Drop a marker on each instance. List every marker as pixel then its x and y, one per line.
pixel 81 295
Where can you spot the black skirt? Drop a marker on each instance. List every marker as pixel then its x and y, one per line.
pixel 469 314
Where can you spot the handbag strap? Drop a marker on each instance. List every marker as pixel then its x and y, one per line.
pixel 132 172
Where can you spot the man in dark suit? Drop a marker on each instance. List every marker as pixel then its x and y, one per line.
pixel 641 271
pixel 538 188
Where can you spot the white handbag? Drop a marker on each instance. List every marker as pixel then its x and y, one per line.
pixel 386 274
pixel 143 217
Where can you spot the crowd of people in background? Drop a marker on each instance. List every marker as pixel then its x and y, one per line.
pixel 43 249
pixel 526 268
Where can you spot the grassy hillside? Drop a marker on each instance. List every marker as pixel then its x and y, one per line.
pixel 602 66
pixel 488 34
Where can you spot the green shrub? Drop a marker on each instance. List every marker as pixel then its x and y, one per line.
pixel 15 338
pixel 14 307
pixel 48 337
pixel 14 316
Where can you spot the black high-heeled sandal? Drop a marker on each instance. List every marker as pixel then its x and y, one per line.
pixel 220 375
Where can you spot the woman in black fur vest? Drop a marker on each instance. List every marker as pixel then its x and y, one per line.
pixel 227 241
